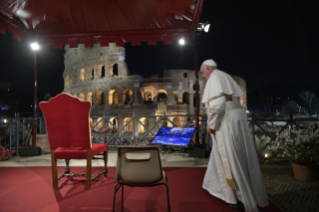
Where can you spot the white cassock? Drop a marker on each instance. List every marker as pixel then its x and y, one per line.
pixel 233 171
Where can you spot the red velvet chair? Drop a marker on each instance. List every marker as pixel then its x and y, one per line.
pixel 69 134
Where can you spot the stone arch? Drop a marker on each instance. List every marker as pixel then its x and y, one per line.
pixel 186 98
pixel 142 128
pixel 90 97
pixel 101 71
pixel 100 124
pixel 162 96
pixel 91 74
pixel 177 122
pixel 81 96
pixel 148 96
pixel 129 126
pixel 242 101
pixel 91 122
pixel 82 74
pixel 113 97
pixel 100 98
pixel 128 96
pixel 176 95
pixel 114 70
pixel 114 125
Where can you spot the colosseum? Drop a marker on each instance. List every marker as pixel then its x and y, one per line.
pixel 100 75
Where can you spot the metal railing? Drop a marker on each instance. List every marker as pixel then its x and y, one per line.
pixel 17 131
pixel 265 131
pixel 128 133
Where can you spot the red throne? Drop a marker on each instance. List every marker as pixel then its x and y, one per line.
pixel 69 134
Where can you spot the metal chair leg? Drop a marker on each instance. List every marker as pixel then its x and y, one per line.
pixel 168 203
pixel 117 187
pixel 122 197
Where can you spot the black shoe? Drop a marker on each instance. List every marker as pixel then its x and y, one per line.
pixel 237 207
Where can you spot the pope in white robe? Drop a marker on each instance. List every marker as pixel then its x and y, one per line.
pixel 233 173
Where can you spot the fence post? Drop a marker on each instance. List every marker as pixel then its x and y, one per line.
pixel 104 119
pixel 253 123
pixel 10 140
pixel 165 119
pixel 17 147
pixel 5 137
pixel 134 128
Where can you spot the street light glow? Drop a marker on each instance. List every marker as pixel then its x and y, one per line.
pixel 35 46
pixel 5 120
pixel 182 41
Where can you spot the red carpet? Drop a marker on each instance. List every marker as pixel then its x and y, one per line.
pixel 30 189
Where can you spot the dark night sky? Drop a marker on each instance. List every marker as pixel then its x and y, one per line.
pixel 265 42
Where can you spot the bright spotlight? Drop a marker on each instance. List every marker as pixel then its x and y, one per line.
pixel 35 46
pixel 5 120
pixel 182 41
pixel 203 27
pixel 266 155
pixel 206 27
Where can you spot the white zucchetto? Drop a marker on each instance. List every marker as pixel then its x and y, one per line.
pixel 210 62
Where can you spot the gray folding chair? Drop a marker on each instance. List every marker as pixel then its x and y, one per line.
pixel 139 167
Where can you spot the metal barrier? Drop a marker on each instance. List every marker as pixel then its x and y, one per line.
pixel 265 131
pixel 120 135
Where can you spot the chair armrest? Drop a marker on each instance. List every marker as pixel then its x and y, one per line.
pixel 105 130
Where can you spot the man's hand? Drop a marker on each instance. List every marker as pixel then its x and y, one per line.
pixel 210 131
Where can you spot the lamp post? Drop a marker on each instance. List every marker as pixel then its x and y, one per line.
pixel 35 46
pixel 200 27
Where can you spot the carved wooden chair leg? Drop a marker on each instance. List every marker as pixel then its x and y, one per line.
pixel 88 169
pixel 54 170
pixel 67 168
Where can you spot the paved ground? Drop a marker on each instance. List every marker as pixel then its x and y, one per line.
pixel 288 193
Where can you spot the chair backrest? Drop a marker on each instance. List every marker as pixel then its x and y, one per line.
pixel 139 166
pixel 67 121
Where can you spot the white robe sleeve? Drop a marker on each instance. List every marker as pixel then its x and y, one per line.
pixel 215 112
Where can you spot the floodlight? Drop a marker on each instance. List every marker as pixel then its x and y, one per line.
pixel 203 27
pixel 35 46
pixel 182 41
pixel 206 27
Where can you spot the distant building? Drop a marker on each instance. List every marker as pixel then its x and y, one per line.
pixel 100 75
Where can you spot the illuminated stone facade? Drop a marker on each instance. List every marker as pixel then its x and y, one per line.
pixel 100 75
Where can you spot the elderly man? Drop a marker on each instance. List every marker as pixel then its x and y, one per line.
pixel 233 173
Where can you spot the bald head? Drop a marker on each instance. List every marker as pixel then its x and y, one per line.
pixel 207 68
